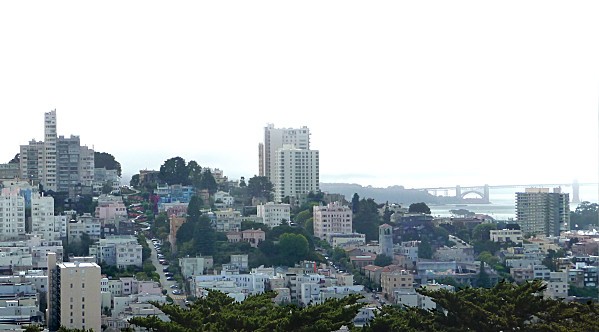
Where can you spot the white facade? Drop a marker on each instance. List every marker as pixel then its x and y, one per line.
pixel 194 266
pixel 230 283
pixel 12 214
pixel 227 220
pixel 506 235
pixel 274 214
pixel 296 172
pixel 332 218
pixel 223 199
pixel 43 221
pixel 309 294
pixel 338 240
pixel 274 139
pixel 86 224
pixel 118 250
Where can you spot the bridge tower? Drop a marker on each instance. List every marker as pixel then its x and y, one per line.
pixel 486 192
pixel 458 191
pixel 575 192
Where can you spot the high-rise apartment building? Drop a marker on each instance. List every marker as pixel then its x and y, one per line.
pixel 296 173
pixel 274 139
pixel 58 163
pixel 539 211
pixel 74 299
pixel 12 214
pixel 332 218
pixel 43 221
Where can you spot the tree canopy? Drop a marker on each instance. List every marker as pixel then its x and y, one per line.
pixel 585 215
pixel 218 312
pixel 259 186
pixel 367 220
pixel 419 208
pixel 106 160
pixel 505 307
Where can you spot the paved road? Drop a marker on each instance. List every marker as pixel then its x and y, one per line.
pixel 165 284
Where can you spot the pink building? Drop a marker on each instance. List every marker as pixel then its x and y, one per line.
pixel 110 212
pixel 253 236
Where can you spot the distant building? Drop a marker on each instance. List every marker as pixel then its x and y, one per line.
pixel 506 235
pixel 10 171
pixel 297 173
pixel 274 214
pixel 332 218
pixel 540 212
pixel 386 240
pixel 74 295
pixel 274 139
pixel 12 214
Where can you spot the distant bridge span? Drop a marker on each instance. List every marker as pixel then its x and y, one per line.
pixel 483 191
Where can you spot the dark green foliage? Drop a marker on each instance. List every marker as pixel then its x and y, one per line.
pixel 419 208
pixel 218 312
pixel 174 171
pixel 585 215
pixel 16 159
pixel 425 250
pixel 550 259
pixel 505 307
pixel 292 248
pixel 106 160
pixel 482 232
pixel 367 220
pixel 383 260
pixel 208 182
pixel 590 292
pixel 259 186
pixel 134 181
pixel 355 203
pixel 78 247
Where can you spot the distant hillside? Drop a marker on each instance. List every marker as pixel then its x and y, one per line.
pixel 393 194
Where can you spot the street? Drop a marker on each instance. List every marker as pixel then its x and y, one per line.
pixel 166 284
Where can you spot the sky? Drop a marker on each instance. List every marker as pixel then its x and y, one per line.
pixel 412 93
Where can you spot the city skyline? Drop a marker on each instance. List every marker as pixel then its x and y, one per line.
pixel 394 93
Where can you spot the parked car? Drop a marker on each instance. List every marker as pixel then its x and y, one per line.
pixel 165 269
pixel 170 278
pixel 168 274
pixel 175 286
pixel 177 291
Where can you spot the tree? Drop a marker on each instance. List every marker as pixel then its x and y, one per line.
pixel 355 203
pixel 195 173
pixel 419 208
pixel 383 260
pixel 482 232
pixel 504 307
pixel 107 187
pixel 292 248
pixel 208 182
pixel 218 312
pixel 134 181
pixel 585 215
pixel 16 159
pixel 174 171
pixel 259 186
pixel 367 220
pixel 425 250
pixel 107 161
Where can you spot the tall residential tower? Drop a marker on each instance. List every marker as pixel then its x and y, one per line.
pixel 541 212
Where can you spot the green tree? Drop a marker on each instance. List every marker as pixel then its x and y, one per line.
pixel 259 186
pixel 107 187
pixel 355 203
pixel 134 181
pixel 218 312
pixel 16 159
pixel 482 232
pixel 292 248
pixel 419 208
pixel 585 216
pixel 174 171
pixel 367 220
pixel 425 250
pixel 107 161
pixel 383 260
pixel 208 182
pixel 504 307
pixel 195 173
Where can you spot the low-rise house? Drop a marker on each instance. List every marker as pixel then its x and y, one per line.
pixel 195 266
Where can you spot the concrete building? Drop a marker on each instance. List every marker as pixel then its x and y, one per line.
pixel 396 280
pixel 274 214
pixel 194 266
pixel 340 240
pixel 58 163
pixel 297 173
pixel 85 224
pixel 110 210
pixel 332 218
pixel 253 236
pixel 274 139
pixel 43 221
pixel 540 212
pixel 507 235
pixel 10 171
pixel 12 214
pixel 19 304
pixel 227 220
pixel 118 250
pixel 223 200
pixel 74 295
pixel 103 176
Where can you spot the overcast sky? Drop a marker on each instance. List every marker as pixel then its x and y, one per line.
pixel 418 93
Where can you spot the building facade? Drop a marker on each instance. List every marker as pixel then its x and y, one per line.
pixel 540 212
pixel 12 214
pixel 274 139
pixel 73 295
pixel 274 214
pixel 296 172
pixel 332 218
